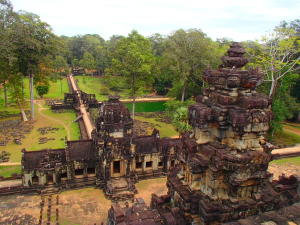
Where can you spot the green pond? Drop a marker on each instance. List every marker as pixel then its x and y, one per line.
pixel 147 106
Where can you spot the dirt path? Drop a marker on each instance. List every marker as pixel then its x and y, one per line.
pixel 146 99
pixel 287 169
pixel 40 110
pixel 10 164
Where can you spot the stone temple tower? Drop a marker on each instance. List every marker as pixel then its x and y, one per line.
pixel 222 169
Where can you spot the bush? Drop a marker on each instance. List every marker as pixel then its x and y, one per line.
pixel 177 111
pixel 115 83
pixel 42 90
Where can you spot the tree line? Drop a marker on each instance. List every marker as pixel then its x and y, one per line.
pixel 169 65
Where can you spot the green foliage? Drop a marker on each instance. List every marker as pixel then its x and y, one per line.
pixel 115 83
pixel 42 90
pixel 295 92
pixel 172 105
pixel 187 54
pixel 133 59
pixel 178 112
pixel 180 120
pixel 87 61
pixel 279 111
pixel 162 84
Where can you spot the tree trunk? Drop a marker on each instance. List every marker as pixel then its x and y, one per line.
pixel 5 95
pixel 274 85
pixel 23 114
pixel 133 91
pixel 183 92
pixel 60 85
pixel 31 96
pixel 22 86
pixel 298 117
pixel 133 107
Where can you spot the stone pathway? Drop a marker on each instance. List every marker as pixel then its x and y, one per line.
pixel 10 183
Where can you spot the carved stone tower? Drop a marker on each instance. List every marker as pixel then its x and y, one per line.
pixel 222 173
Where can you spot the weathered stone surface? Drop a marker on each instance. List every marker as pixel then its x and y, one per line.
pixel 222 172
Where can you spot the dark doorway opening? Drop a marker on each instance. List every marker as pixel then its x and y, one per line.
pixel 35 180
pixel 172 163
pixel 138 165
pixel 117 167
pixel 63 175
pixel 50 178
pixel 149 164
pixel 78 172
pixel 91 170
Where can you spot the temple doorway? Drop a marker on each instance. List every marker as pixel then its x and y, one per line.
pixel 49 178
pixel 117 167
pixel 35 180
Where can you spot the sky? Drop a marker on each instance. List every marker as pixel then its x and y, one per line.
pixel 238 20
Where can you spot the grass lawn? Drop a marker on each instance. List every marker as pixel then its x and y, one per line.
pixel 99 87
pixel 55 92
pixel 46 118
pixel 95 85
pixel 56 89
pixel 7 171
pixel 165 129
pixel 288 161
pixel 286 138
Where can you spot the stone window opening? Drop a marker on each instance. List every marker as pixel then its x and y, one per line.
pixel 79 172
pixel 172 163
pixel 160 164
pixel 148 164
pixel 139 165
pixel 91 170
pixel 63 175
pixel 116 167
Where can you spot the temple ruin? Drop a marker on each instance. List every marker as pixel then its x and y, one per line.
pixel 221 168
pixel 114 159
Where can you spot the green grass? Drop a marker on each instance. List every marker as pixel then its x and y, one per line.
pixel 7 171
pixel 288 161
pixel 99 86
pixel 286 138
pixel 68 116
pixel 95 85
pixel 56 90
pixel 165 129
pixel 30 142
pixel 294 125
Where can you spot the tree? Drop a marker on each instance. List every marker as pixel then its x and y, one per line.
pixel 133 59
pixel 60 67
pixel 188 54
pixel 42 89
pixel 278 56
pixel 34 42
pixel 7 18
pixel 15 83
pixel 87 61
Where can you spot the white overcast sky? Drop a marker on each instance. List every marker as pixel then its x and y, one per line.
pixel 236 19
